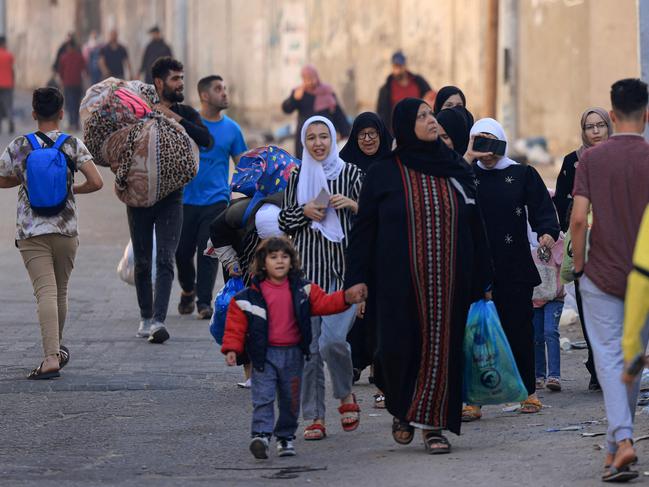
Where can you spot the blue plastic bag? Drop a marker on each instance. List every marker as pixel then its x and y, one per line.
pixel 221 302
pixel 490 372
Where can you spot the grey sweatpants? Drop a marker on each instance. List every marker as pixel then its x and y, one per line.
pixel 328 344
pixel 604 314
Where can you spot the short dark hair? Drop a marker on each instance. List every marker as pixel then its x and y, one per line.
pixel 47 103
pixel 275 244
pixel 205 83
pixel 629 98
pixel 164 65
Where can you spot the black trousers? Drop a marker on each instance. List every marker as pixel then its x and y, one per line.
pixel 167 217
pixel 514 305
pixel 197 274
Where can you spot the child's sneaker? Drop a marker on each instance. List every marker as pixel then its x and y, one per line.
pixel 259 447
pixel 540 383
pixel 285 448
pixel 554 384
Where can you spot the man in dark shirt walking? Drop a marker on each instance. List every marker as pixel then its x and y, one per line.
pixel 166 216
pixel 401 84
pixel 112 58
pixel 154 50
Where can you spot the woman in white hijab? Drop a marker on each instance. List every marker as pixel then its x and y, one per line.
pixel 511 194
pixel 319 204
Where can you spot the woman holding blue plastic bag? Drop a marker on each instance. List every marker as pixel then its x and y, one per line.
pixel 510 195
pixel 419 237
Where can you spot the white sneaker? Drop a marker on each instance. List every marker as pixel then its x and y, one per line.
pixel 144 329
pixel 158 333
pixel 259 447
pixel 285 448
pixel 244 385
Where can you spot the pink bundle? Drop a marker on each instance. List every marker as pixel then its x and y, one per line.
pixel 134 103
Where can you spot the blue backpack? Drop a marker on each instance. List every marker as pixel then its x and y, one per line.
pixel 49 175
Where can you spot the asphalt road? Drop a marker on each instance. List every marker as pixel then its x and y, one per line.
pixel 129 413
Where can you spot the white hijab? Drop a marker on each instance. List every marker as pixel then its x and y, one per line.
pixel 491 126
pixel 313 179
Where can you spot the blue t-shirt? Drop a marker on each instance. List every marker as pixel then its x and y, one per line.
pixel 211 184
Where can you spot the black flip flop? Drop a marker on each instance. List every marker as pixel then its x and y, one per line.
pixel 64 356
pixel 38 374
pixel 622 474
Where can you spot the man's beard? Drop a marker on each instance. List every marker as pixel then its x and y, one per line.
pixel 172 95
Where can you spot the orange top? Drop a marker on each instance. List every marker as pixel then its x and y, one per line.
pixel 6 69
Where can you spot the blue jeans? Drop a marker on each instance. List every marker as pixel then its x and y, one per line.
pixel 546 334
pixel 281 377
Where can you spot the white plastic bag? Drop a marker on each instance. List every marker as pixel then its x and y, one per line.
pixel 126 266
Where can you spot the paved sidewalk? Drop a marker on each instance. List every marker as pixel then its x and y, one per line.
pixel 129 413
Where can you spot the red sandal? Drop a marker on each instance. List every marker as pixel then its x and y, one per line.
pixel 314 432
pixel 350 408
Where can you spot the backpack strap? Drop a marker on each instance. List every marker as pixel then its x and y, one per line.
pixel 61 140
pixel 33 141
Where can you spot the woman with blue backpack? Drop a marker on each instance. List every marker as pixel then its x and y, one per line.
pixel 43 164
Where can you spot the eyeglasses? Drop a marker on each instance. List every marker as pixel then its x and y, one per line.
pixel 422 116
pixel 370 134
pixel 591 126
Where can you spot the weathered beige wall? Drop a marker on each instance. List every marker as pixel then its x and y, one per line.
pixel 35 30
pixel 570 51
pixel 570 54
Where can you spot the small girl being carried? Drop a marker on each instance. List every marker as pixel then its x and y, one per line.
pixel 271 319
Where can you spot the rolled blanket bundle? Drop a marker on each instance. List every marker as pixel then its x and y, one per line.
pixel 150 154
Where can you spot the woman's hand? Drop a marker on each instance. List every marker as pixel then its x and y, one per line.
pixel 356 294
pixel 360 310
pixel 298 93
pixel 470 155
pixel 340 202
pixel 231 358
pixel 314 211
pixel 546 241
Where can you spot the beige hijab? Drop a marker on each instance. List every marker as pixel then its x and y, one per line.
pixel 585 143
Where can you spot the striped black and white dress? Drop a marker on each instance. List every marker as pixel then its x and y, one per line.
pixel 323 261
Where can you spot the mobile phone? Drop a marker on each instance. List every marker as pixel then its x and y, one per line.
pixel 323 198
pixel 484 144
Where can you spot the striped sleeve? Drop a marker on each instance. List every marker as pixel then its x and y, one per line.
pixel 291 217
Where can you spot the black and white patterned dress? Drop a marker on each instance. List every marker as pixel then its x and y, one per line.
pixel 323 261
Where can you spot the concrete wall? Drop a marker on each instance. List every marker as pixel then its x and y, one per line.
pixel 570 51
pixel 570 54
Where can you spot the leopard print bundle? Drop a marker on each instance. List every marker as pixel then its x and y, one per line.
pixel 150 156
pixel 150 160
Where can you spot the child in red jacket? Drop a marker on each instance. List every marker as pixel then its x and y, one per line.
pixel 272 320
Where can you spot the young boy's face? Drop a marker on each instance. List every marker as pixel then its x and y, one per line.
pixel 278 264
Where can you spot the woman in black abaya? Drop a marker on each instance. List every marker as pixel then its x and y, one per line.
pixel 368 143
pixel 429 262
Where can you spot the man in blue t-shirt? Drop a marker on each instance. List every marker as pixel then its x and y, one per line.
pixel 205 197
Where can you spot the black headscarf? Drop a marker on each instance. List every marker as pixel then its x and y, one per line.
pixel 353 153
pixel 444 94
pixel 432 158
pixel 457 123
